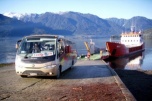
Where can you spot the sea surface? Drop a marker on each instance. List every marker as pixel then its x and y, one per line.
pixel 141 60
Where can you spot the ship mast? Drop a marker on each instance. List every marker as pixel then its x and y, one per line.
pixel 132 28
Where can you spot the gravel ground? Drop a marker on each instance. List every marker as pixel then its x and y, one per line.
pixel 138 82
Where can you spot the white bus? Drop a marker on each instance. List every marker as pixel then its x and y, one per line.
pixel 44 55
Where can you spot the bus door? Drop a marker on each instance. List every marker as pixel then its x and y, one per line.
pixel 68 52
pixel 62 55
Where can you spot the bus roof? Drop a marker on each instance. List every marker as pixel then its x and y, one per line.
pixel 44 36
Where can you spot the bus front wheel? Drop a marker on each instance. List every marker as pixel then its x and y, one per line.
pixel 58 73
pixel 23 76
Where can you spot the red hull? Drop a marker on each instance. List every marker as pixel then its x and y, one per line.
pixel 119 50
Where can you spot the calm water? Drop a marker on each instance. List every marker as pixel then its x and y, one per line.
pixel 7 49
pixel 139 61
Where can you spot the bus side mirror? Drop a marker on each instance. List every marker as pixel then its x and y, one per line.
pixel 17 44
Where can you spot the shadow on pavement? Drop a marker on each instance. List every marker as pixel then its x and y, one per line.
pixel 91 71
pixel 138 82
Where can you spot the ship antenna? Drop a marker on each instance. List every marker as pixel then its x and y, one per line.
pixel 124 30
pixel 132 28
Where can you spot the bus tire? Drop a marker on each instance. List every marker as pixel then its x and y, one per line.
pixel 23 76
pixel 58 72
pixel 72 63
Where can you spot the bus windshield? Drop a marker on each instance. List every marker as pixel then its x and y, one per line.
pixel 37 47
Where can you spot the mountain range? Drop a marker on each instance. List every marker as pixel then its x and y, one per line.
pixel 67 23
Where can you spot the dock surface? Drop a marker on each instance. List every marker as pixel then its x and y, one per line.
pixel 104 74
pixel 87 80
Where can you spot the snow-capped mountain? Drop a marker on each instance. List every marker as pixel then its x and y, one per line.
pixel 19 16
pixel 15 15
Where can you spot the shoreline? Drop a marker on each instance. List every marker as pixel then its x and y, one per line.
pixel 6 64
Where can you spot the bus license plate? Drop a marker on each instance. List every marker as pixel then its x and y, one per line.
pixel 33 74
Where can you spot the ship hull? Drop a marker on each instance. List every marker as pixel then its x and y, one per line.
pixel 120 50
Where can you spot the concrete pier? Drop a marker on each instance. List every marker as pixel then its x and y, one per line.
pixel 99 69
pixel 87 80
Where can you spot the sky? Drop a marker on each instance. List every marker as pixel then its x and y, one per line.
pixel 102 8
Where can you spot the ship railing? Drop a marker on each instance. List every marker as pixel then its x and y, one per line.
pixel 116 41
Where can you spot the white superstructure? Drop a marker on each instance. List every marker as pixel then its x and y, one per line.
pixel 132 38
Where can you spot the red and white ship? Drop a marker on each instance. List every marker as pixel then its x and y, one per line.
pixel 130 43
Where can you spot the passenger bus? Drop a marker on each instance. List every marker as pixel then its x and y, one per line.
pixel 44 55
